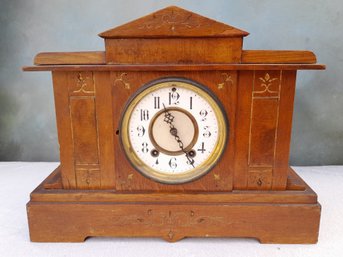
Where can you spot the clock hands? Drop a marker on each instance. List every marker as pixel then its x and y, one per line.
pixel 169 118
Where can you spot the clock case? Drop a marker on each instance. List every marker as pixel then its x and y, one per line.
pixel 251 191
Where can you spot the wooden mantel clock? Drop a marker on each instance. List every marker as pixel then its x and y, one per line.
pixel 174 131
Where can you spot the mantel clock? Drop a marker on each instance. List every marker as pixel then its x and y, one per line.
pixel 174 131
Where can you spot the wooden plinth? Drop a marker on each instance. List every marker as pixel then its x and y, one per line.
pixel 59 215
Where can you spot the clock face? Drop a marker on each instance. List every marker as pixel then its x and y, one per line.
pixel 173 130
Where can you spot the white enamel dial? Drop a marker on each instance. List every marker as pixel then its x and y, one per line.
pixel 173 130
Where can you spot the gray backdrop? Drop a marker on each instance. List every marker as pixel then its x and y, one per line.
pixel 27 119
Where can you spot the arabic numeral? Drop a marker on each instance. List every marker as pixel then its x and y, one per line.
pixel 141 131
pixel 172 163
pixel 203 113
pixel 145 147
pixel 174 96
pixel 207 132
pixel 202 149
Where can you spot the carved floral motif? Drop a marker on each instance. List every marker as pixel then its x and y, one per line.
pixel 172 20
pixel 83 85
pixel 122 80
pixel 267 81
pixel 187 218
pixel 226 79
pixel 216 177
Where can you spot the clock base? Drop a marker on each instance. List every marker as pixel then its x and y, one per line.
pixel 285 217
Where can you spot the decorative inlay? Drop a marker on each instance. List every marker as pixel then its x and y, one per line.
pixel 87 178
pixel 170 234
pixel 172 21
pixel 130 176
pixel 171 218
pixel 122 80
pixel 216 177
pixel 84 129
pixel 127 182
pixel 82 84
pixel 268 87
pixel 264 115
pixel 226 79
pixel 266 83
pixel 260 179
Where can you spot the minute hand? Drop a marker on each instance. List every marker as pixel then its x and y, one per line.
pixel 169 118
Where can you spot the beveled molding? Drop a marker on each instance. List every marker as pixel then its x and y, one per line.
pixel 174 67
pixel 172 217
pixel 297 191
pixel 248 57
pixel 286 223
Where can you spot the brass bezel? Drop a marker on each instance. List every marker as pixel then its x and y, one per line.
pixel 194 173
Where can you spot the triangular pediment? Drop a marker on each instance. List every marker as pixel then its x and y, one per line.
pixel 173 22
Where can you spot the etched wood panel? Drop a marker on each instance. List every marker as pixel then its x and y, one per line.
pixel 78 129
pixel 242 128
pixel 263 129
pixel 88 177
pixel 81 84
pixel 84 130
pixel 262 132
pixel 260 178
pixel 270 223
pixel 172 22
pixel 222 83
pixel 104 117
pixel 283 135
pixel 173 50
pixel 85 126
pixel 63 121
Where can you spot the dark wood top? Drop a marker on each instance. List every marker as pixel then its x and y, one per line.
pixel 248 57
pixel 175 67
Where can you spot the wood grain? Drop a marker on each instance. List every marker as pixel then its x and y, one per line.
pixel 84 129
pixel 270 216
pixel 248 57
pixel 296 192
pixel 174 67
pixel 64 128
pixel 262 133
pixel 286 223
pixel 260 178
pixel 242 128
pixel 171 22
pixel 104 114
pixel 57 58
pixel 282 147
pixel 173 50
pixel 278 56
pixel 88 178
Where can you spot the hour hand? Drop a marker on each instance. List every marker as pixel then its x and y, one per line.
pixel 169 118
